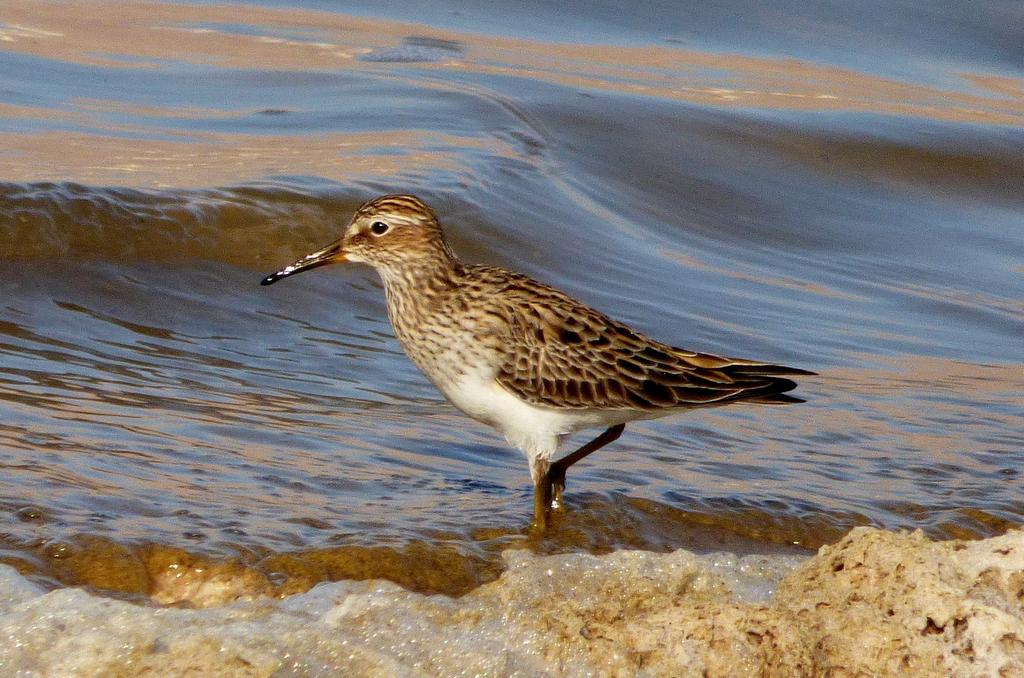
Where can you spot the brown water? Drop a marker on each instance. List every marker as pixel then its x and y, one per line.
pixel 805 184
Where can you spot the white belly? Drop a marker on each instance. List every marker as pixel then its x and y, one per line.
pixel 535 430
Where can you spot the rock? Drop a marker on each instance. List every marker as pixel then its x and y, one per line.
pixel 880 603
pixel 876 603
pixel 178 577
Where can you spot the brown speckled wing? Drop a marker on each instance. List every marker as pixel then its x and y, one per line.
pixel 563 354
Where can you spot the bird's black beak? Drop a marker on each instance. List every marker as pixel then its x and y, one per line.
pixel 326 255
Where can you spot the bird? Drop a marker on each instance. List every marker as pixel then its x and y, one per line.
pixel 523 357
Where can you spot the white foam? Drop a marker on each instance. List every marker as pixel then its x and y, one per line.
pixel 544 614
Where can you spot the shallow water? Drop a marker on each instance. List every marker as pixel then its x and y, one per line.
pixel 794 184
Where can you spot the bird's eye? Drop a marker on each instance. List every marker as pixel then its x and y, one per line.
pixel 379 228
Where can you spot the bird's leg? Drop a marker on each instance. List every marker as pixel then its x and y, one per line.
pixel 541 506
pixel 556 473
pixel 541 493
pixel 549 478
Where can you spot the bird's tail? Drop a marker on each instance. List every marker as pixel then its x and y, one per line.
pixel 774 391
pixel 776 399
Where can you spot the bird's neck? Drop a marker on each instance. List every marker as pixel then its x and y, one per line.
pixel 412 285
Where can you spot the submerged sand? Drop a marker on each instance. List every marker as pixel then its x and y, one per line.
pixel 875 603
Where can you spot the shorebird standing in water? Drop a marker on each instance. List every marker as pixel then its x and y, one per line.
pixel 523 357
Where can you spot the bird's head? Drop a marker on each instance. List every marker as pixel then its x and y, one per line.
pixel 391 233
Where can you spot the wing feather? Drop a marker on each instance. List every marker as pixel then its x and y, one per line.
pixel 561 353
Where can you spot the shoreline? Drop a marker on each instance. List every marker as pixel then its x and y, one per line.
pixel 876 602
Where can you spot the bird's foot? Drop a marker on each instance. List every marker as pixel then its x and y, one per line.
pixel 537 529
pixel 547 497
pixel 556 479
pixel 557 489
